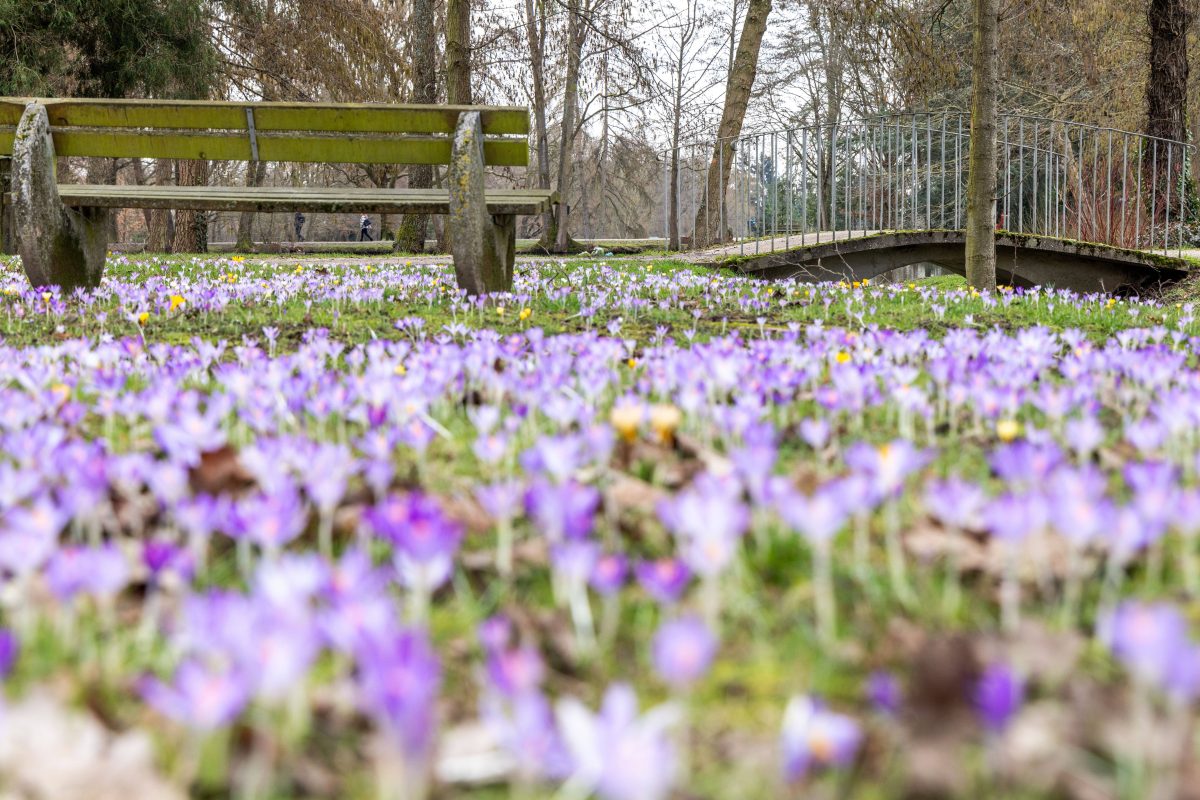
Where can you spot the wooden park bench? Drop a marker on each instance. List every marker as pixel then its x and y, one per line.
pixel 60 230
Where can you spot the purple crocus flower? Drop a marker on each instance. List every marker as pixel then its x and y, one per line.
pixel 1084 435
pixel 398 680
pixel 815 738
pixel 883 692
pixel 495 632
pixel 887 466
pixel 664 579
pixel 101 571
pixel 417 525
pixel 10 648
pixel 682 651
pixel 1025 463
pixel 574 561
pixel 162 557
pixel 200 697
pixel 815 432
pixel 272 520
pixel 1014 517
pixel 29 535
pixel 1149 639
pixel 526 729
pixel 818 517
pixel 562 510
pixel 708 520
pixel 998 696
pixel 609 573
pixel 956 503
pixel 425 539
pixel 502 500
pixel 515 671
pixel 616 753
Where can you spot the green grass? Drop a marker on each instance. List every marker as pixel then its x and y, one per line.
pixel 770 647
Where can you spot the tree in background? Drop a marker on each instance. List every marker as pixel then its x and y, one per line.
pixel 737 97
pixel 458 52
pixel 105 48
pixel 688 54
pixel 981 176
pixel 1167 84
pixel 410 235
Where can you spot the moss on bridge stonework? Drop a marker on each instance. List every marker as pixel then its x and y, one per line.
pixel 1083 249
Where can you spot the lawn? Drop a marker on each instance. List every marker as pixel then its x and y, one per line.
pixel 286 527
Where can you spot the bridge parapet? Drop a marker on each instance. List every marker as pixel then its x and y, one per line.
pixel 908 172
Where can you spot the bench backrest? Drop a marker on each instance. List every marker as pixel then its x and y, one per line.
pixel 325 133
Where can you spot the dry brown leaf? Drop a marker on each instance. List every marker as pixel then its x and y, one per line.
pixel 929 542
pixel 1047 656
pixel 220 471
pixel 466 511
pixel 630 494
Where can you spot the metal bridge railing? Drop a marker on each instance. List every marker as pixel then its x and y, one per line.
pixel 909 172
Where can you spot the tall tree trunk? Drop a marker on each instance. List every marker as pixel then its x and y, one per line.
pixel 158 229
pixel 576 37
pixel 191 227
pixel 256 172
pixel 410 235
pixel 1166 89
pixel 981 176
pixel 458 52
pixel 535 33
pixel 673 242
pixel 737 97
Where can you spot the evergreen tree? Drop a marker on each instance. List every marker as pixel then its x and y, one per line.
pixel 105 48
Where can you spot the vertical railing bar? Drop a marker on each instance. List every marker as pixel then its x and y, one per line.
pixel 1033 163
pixel 1007 173
pixel 1021 177
pixel 958 174
pixel 1108 233
pixel 1184 165
pixel 848 200
pixel 833 191
pixel 1137 211
pixel 1153 192
pixel 942 188
pixel 787 235
pixel 861 163
pixel 1167 202
pixel 820 176
pixel 1079 198
pixel 724 192
pixel 804 185
pixel 928 171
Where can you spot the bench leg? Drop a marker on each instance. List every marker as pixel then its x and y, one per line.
pixel 482 245
pixel 504 237
pixel 58 245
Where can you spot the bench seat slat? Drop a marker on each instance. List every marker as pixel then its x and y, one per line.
pixel 280 199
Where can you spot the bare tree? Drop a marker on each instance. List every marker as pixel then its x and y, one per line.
pixel 737 97
pixel 689 58
pixel 410 236
pixel 458 52
pixel 981 177
pixel 1167 86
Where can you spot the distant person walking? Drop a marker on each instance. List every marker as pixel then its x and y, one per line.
pixel 364 229
pixel 299 227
